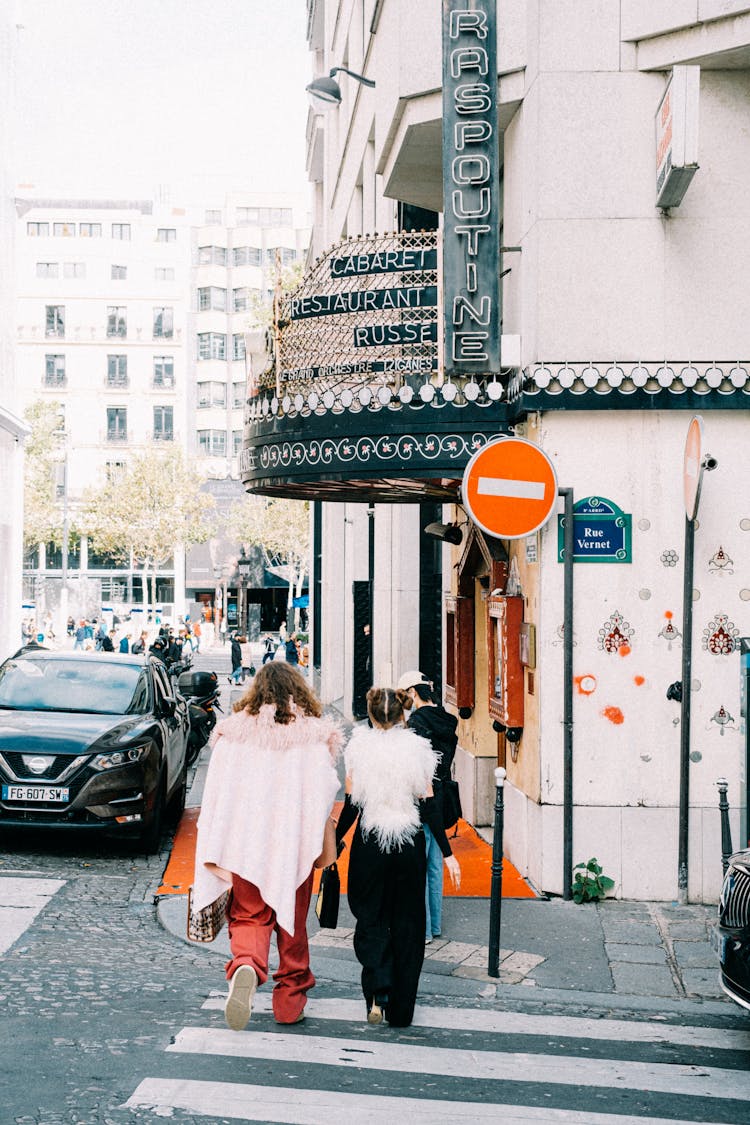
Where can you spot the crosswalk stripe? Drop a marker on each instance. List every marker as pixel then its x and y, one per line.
pixel 664 1078
pixel 285 1106
pixel 517 1023
pixel 21 899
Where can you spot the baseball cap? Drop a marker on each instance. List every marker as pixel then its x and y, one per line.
pixel 410 679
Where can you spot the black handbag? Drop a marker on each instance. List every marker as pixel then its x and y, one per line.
pixel 452 811
pixel 327 904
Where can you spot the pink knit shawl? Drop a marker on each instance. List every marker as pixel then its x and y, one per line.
pixel 269 789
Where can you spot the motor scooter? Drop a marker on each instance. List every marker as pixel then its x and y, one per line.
pixel 201 691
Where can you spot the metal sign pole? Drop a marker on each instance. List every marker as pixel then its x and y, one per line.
pixel 496 890
pixel 568 547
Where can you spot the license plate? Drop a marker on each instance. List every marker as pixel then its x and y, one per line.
pixel 35 793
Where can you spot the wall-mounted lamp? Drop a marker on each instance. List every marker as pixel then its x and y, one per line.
pixel 448 532
pixel 325 92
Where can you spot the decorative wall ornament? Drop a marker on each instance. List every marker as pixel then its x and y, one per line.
pixel 615 634
pixel 560 636
pixel 669 557
pixel 670 634
pixel 723 720
pixel 720 563
pixel 720 636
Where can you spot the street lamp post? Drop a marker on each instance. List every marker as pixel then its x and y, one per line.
pixel 243 569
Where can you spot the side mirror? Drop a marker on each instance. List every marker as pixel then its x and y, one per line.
pixel 168 708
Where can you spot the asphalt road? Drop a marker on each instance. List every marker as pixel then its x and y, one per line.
pixel 108 1019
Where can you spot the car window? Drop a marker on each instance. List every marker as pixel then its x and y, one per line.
pixel 162 683
pixel 86 686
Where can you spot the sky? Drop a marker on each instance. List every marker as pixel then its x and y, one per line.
pixel 118 97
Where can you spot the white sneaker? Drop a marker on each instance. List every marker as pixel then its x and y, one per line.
pixel 239 1005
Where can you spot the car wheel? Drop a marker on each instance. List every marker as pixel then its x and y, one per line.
pixel 177 803
pixel 151 834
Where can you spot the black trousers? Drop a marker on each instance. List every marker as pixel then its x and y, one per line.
pixel 386 896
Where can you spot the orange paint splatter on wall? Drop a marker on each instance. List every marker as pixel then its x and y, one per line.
pixel 585 685
pixel 624 650
pixel 669 615
pixel 614 714
pixel 639 680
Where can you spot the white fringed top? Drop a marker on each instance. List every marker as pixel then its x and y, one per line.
pixel 389 770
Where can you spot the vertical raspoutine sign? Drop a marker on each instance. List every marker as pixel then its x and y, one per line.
pixel 471 189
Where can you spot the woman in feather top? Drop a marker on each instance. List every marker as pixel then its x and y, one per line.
pixel 389 771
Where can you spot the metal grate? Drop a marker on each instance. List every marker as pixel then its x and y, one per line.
pixel 734 908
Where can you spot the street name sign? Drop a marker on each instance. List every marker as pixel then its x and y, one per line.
pixel 602 532
pixel 509 488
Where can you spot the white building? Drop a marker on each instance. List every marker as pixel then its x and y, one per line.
pixel 102 330
pixel 626 320
pixel 238 251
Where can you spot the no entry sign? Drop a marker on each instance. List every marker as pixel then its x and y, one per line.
pixel 509 488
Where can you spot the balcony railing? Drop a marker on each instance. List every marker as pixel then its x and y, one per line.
pixel 163 435
pixel 119 382
pixel 117 437
pixel 55 381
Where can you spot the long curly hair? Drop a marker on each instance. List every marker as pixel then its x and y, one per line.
pixel 283 687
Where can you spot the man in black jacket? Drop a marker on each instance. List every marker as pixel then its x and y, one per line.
pixel 435 724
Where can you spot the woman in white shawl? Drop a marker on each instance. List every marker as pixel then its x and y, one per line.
pixel 389 771
pixel 269 792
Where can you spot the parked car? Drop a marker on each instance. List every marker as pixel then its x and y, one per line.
pixel 91 741
pixel 732 935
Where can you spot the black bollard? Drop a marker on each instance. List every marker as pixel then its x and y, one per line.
pixel 496 892
pixel 726 831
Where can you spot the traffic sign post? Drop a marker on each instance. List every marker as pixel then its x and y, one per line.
pixel 509 488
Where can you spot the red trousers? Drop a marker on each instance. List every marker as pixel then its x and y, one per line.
pixel 251 923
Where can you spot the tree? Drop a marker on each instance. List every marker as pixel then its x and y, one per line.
pixel 281 528
pixel 143 512
pixel 44 455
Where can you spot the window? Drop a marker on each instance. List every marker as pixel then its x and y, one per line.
pixel 164 273
pixel 115 470
pixel 166 234
pixel 64 230
pixel 119 273
pixel 117 371
pixel 90 230
pixel 213 218
pixel 240 300
pixel 47 269
pixel 121 230
pixel 212 345
pixel 236 442
pixel 212 255
pixel 54 320
pixel 247 215
pixel 54 371
pixel 163 371
pixel 117 321
pixel 211 297
pixel 37 230
pixel 163 424
pixel 239 394
pixel 247 256
pixel 212 443
pixel 74 269
pixel 117 423
pixel 163 322
pixel 211 394
pixel 459 651
pixel 288 256
pixel 238 345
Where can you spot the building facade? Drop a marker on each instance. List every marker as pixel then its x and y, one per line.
pixel 622 318
pixel 102 318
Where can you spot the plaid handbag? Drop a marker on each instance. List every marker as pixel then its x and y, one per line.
pixel 204 925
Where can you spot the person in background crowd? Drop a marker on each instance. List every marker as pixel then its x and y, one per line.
pixel 389 771
pixel 268 648
pixel 139 645
pixel 292 653
pixel 100 634
pixel 236 654
pixel 223 630
pixel 268 796
pixel 26 631
pixel 159 650
pixel 125 643
pixel 197 634
pixel 70 628
pixel 439 727
pixel 80 637
pixel 107 642
pixel 246 650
